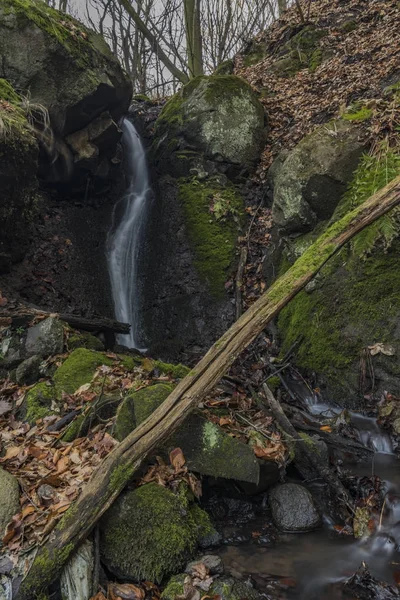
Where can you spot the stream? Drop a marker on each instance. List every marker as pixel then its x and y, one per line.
pixel 312 565
pixel 124 240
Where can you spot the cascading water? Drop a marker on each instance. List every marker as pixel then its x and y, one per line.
pixel 125 236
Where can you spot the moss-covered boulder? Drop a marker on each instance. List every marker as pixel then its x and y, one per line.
pixel 346 320
pixel 311 181
pixel 38 402
pixel 78 369
pixel 219 117
pixel 207 449
pixel 149 533
pixel 9 499
pixel 18 184
pixel 84 340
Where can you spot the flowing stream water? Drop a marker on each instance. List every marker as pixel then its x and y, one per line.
pixel 319 560
pixel 125 238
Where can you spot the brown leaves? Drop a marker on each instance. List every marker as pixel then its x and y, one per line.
pixel 125 591
pixel 177 459
pixel 171 475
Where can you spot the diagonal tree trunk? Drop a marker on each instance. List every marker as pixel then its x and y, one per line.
pixel 118 468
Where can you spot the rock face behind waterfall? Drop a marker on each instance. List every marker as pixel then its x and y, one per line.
pixel 209 133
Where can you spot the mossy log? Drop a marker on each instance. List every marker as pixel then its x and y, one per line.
pixel 120 465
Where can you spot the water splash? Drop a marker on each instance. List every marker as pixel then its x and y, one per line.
pixel 125 236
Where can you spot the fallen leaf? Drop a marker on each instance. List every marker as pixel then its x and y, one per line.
pixel 125 591
pixel 5 407
pixel 177 459
pixel 380 348
pixel 326 428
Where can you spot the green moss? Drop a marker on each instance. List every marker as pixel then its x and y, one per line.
pixel 60 26
pixel 78 369
pixel 176 371
pixel 202 521
pixel 44 564
pixel 129 362
pixel 213 241
pixel 84 340
pixel 121 476
pixel 274 383
pixel 162 527
pixel 348 26
pixel 225 68
pixel 141 98
pixel 8 93
pixel 37 403
pixel 357 112
pixel 73 430
pixel 175 587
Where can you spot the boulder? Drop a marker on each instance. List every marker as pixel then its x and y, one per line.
pixel 19 153
pixel 218 117
pixel 78 369
pixel 46 338
pixel 28 371
pixel 207 449
pixel 293 508
pixel 224 588
pixel 68 71
pixel 150 533
pixel 9 499
pixel 312 180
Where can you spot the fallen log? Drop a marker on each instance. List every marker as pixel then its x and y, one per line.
pixel 306 457
pixel 22 316
pixel 120 465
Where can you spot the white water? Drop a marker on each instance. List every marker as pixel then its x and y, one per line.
pixel 125 237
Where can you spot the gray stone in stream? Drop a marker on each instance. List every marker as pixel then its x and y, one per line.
pixel 293 508
pixel 28 371
pixel 211 561
pixel 206 448
pixel 228 588
pixel 9 499
pixel 45 338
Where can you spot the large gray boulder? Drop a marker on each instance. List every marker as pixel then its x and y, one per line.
pixel 207 449
pixel 219 117
pixel 293 508
pixel 9 499
pixel 45 338
pixel 313 178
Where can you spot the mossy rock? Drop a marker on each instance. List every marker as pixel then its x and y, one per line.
pixel 227 588
pixel 178 371
pixel 69 69
pixel 148 533
pixel 175 587
pixel 84 340
pixel 213 238
pixel 300 52
pixel 355 301
pixel 137 406
pixel 218 116
pixel 38 402
pixel 310 183
pixel 78 369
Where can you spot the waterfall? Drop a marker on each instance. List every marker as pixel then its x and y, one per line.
pixel 125 236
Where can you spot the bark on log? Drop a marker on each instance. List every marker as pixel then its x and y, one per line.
pixel 118 468
pixel 306 455
pixel 23 315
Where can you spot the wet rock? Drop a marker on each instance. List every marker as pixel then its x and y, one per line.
pixel 12 351
pixel 9 499
pixel 46 338
pixel 207 449
pixel 211 561
pixel 312 180
pixel 150 533
pixel 77 575
pixel 366 587
pixel 293 508
pixel 27 372
pixel 229 589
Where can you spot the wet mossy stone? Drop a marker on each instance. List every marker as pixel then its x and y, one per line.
pixel 137 406
pixel 65 66
pixel 219 116
pixel 212 238
pixel 78 369
pixel 84 340
pixel 175 587
pixel 227 588
pixel 38 402
pixel 148 533
pixel 313 178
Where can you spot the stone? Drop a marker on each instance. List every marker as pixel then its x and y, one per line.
pixel 28 371
pixel 78 369
pixel 228 588
pixel 211 561
pixel 218 116
pixel 207 449
pixel 12 350
pixel 312 180
pixel 293 508
pixel 46 338
pixel 9 499
pixel 150 533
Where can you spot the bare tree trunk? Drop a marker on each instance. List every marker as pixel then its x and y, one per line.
pixel 155 46
pixel 120 465
pixel 194 42
pixel 282 7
